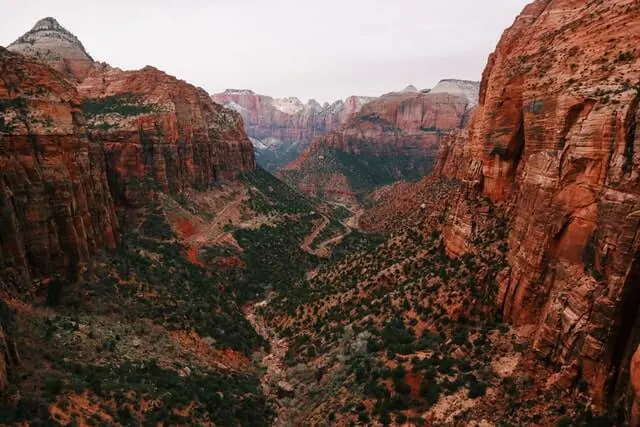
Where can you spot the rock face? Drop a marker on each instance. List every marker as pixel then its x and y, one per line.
pixel 74 151
pixel 392 138
pixel 554 139
pixel 55 46
pixel 281 129
pixel 55 207
pixel 161 133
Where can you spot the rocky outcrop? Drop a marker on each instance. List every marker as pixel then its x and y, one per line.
pixel 282 128
pixel 554 140
pixel 161 133
pixel 55 207
pixel 75 142
pixel 53 45
pixel 392 138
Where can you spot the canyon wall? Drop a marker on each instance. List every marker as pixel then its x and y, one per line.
pixel 82 141
pixel 54 199
pixel 392 138
pixel 554 140
pixel 161 133
pixel 282 128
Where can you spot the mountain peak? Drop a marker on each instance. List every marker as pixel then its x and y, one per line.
pixel 410 89
pixel 48 23
pixel 466 88
pixel 51 43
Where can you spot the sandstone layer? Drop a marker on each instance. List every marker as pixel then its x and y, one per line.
pixel 554 140
pixel 161 133
pixel 55 205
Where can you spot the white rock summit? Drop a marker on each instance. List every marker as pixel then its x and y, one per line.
pixel 410 89
pixel 467 88
pixel 50 43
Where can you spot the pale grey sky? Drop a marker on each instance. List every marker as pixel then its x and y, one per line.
pixel 322 49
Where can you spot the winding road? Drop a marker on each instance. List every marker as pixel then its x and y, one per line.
pixel 323 250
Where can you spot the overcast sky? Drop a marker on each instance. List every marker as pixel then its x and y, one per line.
pixel 322 49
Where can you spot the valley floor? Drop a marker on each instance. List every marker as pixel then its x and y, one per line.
pixel 273 381
pixel 253 305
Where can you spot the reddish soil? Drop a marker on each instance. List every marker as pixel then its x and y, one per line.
pixel 225 359
pixel 193 257
pixel 414 383
pixel 184 227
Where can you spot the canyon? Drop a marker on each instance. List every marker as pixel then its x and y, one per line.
pixel 466 255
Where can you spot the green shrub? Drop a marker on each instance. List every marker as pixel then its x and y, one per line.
pixel 430 391
pixel 126 104
pixel 477 389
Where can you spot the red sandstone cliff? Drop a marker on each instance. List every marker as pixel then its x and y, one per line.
pixel 55 207
pixel 161 133
pixel 394 137
pixel 68 155
pixel 555 141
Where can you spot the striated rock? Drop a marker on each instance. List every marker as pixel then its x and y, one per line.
pixel 394 137
pixel 53 45
pixel 554 140
pixel 65 161
pixel 55 207
pixel 282 128
pixel 161 133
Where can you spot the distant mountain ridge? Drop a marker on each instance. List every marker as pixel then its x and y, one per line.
pixel 281 128
pixel 394 137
